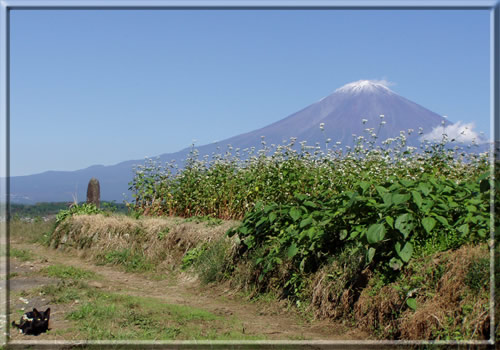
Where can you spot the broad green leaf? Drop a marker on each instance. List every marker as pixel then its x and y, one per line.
pixel 343 234
pixel 381 190
pixel 371 254
pixel 310 204
pixel 300 196
pixel 427 205
pixel 442 220
pixel 471 208
pixel 417 198
pixel 406 182
pixel 424 188
pixel 412 303
pixel 428 224
pixel 375 233
pixel 295 213
pixel 464 229
pixel 292 250
pixel 387 198
pixel 390 221
pixel 407 251
pixel 311 232
pixel 272 216
pixel 325 222
pixel 306 221
pixel 400 198
pixel 364 185
pixel 397 247
pixel 394 187
pixel 404 223
pixel 269 208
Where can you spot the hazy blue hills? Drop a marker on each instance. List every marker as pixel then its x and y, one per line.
pixel 341 113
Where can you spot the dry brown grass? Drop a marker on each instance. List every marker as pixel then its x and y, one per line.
pixel 447 309
pixel 378 311
pixel 454 308
pixel 335 287
pixel 161 240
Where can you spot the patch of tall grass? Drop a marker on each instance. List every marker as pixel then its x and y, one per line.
pixel 35 231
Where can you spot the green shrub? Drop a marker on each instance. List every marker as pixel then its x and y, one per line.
pixel 214 263
pixel 192 255
pixel 227 185
pixel 390 222
pixel 78 209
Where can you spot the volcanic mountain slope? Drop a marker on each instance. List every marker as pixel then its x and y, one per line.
pixel 341 112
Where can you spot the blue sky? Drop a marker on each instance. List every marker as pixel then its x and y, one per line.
pixel 99 87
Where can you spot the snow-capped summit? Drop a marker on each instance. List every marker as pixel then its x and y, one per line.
pixel 363 86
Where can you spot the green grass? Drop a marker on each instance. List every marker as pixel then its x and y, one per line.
pixel 65 292
pixel 38 231
pixel 110 316
pixel 67 272
pixel 131 261
pixel 21 254
pixel 128 317
pixel 213 263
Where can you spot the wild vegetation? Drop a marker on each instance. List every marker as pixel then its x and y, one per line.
pixel 370 211
pixel 371 233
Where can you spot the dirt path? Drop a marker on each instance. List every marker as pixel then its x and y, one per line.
pixel 260 318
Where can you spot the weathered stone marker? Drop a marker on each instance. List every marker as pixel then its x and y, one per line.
pixel 94 192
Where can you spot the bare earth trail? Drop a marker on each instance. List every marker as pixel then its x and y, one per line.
pixel 259 318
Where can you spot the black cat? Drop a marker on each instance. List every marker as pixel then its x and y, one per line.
pixel 33 322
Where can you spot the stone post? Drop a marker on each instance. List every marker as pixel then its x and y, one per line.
pixel 94 192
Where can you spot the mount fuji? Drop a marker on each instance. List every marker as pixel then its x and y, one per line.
pixel 341 112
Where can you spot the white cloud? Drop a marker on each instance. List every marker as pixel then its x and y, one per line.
pixel 461 132
pixel 384 82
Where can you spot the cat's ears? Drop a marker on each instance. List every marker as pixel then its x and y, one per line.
pixel 37 313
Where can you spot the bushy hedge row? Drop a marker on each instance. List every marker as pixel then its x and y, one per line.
pixel 228 186
pixel 388 222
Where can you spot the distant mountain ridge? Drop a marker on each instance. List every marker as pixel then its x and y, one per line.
pixel 341 113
